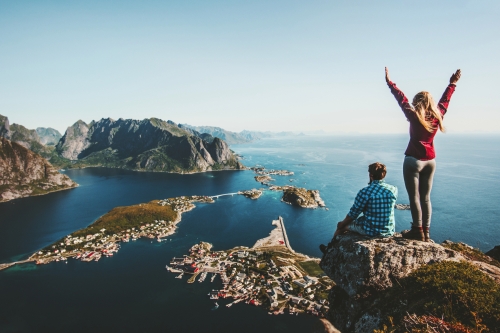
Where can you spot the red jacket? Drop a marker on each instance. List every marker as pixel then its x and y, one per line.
pixel 421 145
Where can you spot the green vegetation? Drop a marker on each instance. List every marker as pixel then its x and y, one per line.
pixel 152 160
pixel 312 268
pixel 471 253
pixel 123 218
pixel 171 128
pixel 457 292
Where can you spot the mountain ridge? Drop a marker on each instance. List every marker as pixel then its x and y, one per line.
pixel 150 144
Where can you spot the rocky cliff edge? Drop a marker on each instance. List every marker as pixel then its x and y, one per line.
pixel 365 271
pixel 24 173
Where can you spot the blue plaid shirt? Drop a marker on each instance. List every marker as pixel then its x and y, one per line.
pixel 376 202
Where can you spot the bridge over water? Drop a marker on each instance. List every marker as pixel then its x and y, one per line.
pixel 222 195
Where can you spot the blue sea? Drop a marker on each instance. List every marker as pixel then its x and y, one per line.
pixel 133 292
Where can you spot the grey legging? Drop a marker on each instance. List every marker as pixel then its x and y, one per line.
pixel 418 177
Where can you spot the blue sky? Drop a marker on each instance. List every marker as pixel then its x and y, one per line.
pixel 257 65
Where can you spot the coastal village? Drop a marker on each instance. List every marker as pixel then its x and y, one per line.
pixel 155 220
pixel 269 274
pixel 92 243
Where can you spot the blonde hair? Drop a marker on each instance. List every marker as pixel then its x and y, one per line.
pixel 426 110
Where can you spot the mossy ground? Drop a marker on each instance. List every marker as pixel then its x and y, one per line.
pixel 312 268
pixel 471 253
pixel 457 292
pixel 123 218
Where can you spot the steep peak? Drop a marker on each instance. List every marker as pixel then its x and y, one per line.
pixel 74 140
pixel 80 122
pixel 105 122
pixel 156 122
pixel 48 136
pixel 78 127
pixel 169 126
pixel 24 136
pixel 4 127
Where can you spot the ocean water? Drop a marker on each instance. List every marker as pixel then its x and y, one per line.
pixel 133 292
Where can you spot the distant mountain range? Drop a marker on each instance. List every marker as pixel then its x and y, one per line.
pixel 234 137
pixel 150 144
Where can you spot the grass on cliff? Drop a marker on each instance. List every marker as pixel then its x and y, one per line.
pixel 312 268
pixel 457 292
pixel 122 218
pixel 471 253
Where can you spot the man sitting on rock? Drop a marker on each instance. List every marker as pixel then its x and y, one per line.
pixel 376 202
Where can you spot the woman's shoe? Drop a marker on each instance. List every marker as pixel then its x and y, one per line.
pixel 415 233
pixel 427 237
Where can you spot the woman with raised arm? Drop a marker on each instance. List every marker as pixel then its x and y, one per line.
pixel 425 117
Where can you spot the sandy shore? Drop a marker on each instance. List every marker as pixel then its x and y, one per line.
pixel 275 238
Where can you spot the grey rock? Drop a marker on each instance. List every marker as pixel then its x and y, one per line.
pixel 26 173
pixel 26 137
pixel 362 267
pixel 149 144
pixel 494 253
pixel 48 136
pixel 4 127
pixel 74 141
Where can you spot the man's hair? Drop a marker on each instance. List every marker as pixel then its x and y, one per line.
pixel 377 170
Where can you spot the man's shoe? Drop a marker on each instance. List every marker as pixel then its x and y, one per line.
pixel 427 237
pixel 323 248
pixel 416 233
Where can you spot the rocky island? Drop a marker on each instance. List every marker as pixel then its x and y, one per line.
pixel 252 194
pixel 402 206
pixel 292 195
pixel 302 197
pixel 262 171
pixel 263 179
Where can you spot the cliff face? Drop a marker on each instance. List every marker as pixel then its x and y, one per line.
pixel 301 197
pixel 28 139
pixel 149 144
pixel 366 269
pixel 25 137
pixel 24 173
pixel 74 141
pixel 4 127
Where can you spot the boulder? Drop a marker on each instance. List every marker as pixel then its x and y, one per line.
pixel 494 253
pixel 363 267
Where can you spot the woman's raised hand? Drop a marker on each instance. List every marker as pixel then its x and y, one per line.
pixel 387 78
pixel 454 77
